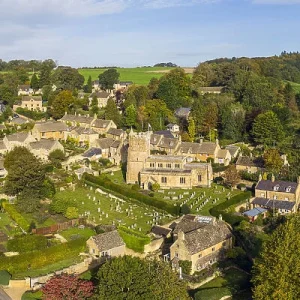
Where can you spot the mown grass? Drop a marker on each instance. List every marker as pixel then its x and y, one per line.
pixel 140 76
pixel 75 233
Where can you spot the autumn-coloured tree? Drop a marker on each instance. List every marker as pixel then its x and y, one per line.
pixel 273 161
pixel 63 287
pixel 231 175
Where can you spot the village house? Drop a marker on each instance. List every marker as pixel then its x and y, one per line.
pixel 102 126
pixel 81 135
pixel 174 128
pixel 95 85
pixel 25 90
pixel 102 98
pixel 233 150
pixel 200 240
pixel 116 134
pixel 79 172
pixel 20 139
pixel 33 103
pixel 43 148
pixel 49 130
pixel 249 164
pixel 18 121
pixel 92 154
pixel 160 143
pixel 122 85
pixel 108 244
pixel 277 195
pixel 78 120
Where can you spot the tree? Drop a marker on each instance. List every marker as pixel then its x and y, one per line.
pixel 89 86
pixel 112 112
pixel 67 78
pixel 62 287
pixel 34 83
pixel 46 91
pixel 45 72
pixel 192 129
pixel 203 75
pixel 72 213
pixel 175 89
pixel 57 157
pixel 276 271
pixel 231 175
pixel 152 87
pixel 132 278
pixel 108 78
pixel 267 129
pixel 273 161
pixel 61 104
pixel 130 116
pixel 26 176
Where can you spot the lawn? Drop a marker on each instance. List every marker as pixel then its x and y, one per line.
pixel 140 76
pixel 101 209
pixel 75 233
pixel 231 284
pixel 7 224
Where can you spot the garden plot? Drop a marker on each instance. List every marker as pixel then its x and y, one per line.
pixel 104 208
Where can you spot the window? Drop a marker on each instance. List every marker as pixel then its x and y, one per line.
pixel 169 166
pixel 276 187
pixel 213 249
pixel 177 166
pixel 199 178
pixel 182 180
pixel 262 194
pixel 160 165
pixel 164 180
pixel 200 255
pixel 152 165
pixel 176 254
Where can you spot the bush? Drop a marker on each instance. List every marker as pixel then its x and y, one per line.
pixel 155 187
pixel 72 212
pixel 186 266
pixel 219 180
pixel 16 216
pixel 134 240
pixel 222 207
pixel 4 277
pixel 61 205
pixel 135 187
pixel 185 210
pixel 41 258
pixel 124 190
pixel 34 115
pixel 27 243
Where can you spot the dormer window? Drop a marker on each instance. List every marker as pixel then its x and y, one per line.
pixel 276 188
pixel 288 189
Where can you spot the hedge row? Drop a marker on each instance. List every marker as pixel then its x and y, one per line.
pixel 16 216
pixel 222 207
pixel 134 240
pixel 124 190
pixel 39 259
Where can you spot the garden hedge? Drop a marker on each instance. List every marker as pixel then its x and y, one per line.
pixel 222 207
pixel 16 216
pixel 134 240
pixel 103 181
pixel 39 259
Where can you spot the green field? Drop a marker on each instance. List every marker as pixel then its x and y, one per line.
pixel 140 76
pixel 113 211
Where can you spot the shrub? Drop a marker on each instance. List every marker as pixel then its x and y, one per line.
pixel 219 180
pixel 27 243
pixel 16 216
pixel 124 190
pixel 155 187
pixel 186 266
pixel 133 240
pixel 61 205
pixel 185 209
pixel 72 212
pixel 135 187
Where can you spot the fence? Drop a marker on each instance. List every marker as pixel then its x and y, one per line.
pixel 59 226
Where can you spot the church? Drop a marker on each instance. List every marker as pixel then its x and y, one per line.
pixel 169 171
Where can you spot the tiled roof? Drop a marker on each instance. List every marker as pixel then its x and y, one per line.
pixel 81 130
pixel 166 158
pixel 100 95
pixel 91 152
pixel 105 143
pixel 79 119
pixel 249 162
pixel 101 123
pixel 159 230
pixel 18 137
pixel 18 121
pixel 155 139
pixel 34 98
pixel 197 148
pixel 165 133
pixel 43 144
pixel 277 185
pixel 277 204
pixel 232 149
pixel 115 131
pixel 51 126
pixel 169 143
pixel 222 153
pixel 107 241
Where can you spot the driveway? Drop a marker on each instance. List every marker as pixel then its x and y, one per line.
pixel 3 295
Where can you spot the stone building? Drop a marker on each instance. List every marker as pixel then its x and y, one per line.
pixel 43 148
pixel 200 240
pixel 31 103
pixel 49 130
pixel 282 196
pixel 109 244
pixel 102 98
pixel 168 171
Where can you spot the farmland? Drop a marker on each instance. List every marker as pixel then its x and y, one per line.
pixel 140 76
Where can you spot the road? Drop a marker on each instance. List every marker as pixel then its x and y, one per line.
pixel 3 295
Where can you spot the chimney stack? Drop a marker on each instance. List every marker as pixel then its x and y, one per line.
pixel 273 178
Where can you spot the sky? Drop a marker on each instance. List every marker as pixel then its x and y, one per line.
pixel 131 33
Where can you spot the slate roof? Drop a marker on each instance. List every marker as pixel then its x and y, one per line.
pixel 166 158
pixel 169 143
pixel 192 166
pixel 277 204
pixel 81 130
pixel 91 152
pixel 165 133
pixel 232 150
pixel 199 236
pixel 100 94
pixel 108 240
pixel 51 126
pixel 254 212
pixel 222 153
pixel 105 143
pixel 283 186
pixel 115 131
pixel 183 112
pixel 155 139
pixel 249 162
pixel 101 123
pixel 18 121
pixel 78 119
pixel 43 144
pixel 159 230
pixel 34 98
pixel 197 148
pixel 18 137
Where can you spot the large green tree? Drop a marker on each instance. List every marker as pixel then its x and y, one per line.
pixel 108 78
pixel 130 116
pixel 61 104
pixel 277 271
pixel 34 83
pixel 267 129
pixel 135 279
pixel 89 86
pixel 67 78
pixel 272 160
pixel 112 112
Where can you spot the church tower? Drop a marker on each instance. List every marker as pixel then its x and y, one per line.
pixel 138 152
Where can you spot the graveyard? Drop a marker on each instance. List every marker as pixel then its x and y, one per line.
pixel 99 207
